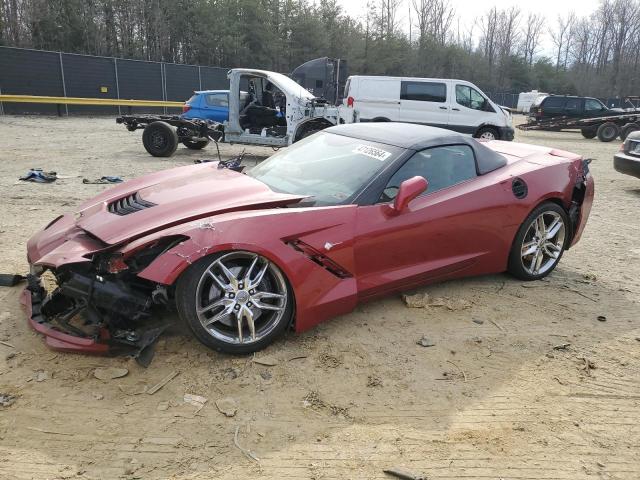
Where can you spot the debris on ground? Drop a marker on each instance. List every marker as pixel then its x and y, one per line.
pixel 162 382
pixel 587 366
pixel 103 180
pixel 403 474
pixel 6 400
pixel 109 373
pixel 38 176
pixel 478 321
pixel 601 318
pixel 248 453
pixel 562 346
pixel 266 361
pixel 97 396
pixel 41 376
pixel 425 342
pixel 10 279
pixel 227 406
pixel 373 381
pixel 195 400
pixel 419 300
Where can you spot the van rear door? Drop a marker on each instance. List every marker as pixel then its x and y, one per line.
pixel 375 98
pixel 424 102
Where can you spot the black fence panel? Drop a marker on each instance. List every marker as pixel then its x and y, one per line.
pixel 23 72
pixel 180 81
pixel 214 78
pixel 140 81
pixel 90 77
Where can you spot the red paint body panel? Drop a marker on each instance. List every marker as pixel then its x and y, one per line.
pixel 467 229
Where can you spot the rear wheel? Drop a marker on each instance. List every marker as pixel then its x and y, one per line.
pixel 540 242
pixel 608 132
pixel 160 139
pixel 488 133
pixel 236 302
pixel 627 129
pixel 589 132
pixel 195 144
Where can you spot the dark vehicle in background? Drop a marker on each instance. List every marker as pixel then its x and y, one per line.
pixel 556 112
pixel 627 160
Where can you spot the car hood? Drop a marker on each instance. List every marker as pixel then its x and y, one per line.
pixel 163 199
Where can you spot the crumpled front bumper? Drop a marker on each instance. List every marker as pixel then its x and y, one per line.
pixel 56 339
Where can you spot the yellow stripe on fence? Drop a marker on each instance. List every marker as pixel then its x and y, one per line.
pixel 89 101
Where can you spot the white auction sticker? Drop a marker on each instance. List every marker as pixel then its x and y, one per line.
pixel 372 152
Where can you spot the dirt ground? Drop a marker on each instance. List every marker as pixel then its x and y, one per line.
pixel 503 394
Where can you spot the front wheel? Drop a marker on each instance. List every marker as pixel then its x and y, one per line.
pixel 488 133
pixel 539 243
pixel 236 302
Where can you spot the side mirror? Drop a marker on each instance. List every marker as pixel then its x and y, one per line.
pixel 409 189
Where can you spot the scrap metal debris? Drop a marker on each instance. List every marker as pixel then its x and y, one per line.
pixel 162 382
pixel 403 474
pixel 562 346
pixel 6 400
pixel 109 373
pixel 38 176
pixel 107 179
pixel 425 342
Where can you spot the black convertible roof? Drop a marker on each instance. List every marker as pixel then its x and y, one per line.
pixel 418 137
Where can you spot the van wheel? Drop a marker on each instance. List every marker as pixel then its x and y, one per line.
pixel 195 144
pixel 589 132
pixel 608 132
pixel 160 139
pixel 488 133
pixel 380 119
pixel 627 129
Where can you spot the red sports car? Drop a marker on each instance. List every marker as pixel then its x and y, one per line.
pixel 351 213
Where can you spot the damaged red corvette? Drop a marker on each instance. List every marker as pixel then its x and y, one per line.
pixel 348 214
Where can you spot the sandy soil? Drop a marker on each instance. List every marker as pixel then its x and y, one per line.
pixel 493 399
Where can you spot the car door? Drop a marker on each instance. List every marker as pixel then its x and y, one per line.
pixel 376 98
pixel 469 110
pixel 216 106
pixel 594 108
pixel 573 107
pixel 424 102
pixel 453 227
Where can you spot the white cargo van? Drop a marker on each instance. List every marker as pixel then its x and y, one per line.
pixel 454 104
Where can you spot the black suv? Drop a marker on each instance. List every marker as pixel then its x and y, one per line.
pixel 572 107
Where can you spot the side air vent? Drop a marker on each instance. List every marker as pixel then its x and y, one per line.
pixel 130 204
pixel 519 188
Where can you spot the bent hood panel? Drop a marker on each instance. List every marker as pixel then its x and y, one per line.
pixel 179 195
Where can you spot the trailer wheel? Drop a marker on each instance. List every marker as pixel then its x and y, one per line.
pixel 589 132
pixel 195 144
pixel 608 132
pixel 627 129
pixel 160 139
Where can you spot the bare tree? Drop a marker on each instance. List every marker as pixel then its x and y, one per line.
pixel 561 37
pixel 531 37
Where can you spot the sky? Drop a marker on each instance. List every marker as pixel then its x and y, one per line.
pixel 468 10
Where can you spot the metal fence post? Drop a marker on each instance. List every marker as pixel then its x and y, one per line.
pixel 1 105
pixel 199 78
pixel 115 69
pixel 163 79
pixel 64 86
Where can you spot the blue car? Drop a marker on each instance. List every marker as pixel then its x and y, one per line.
pixel 208 105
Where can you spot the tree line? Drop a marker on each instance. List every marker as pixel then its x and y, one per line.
pixel 596 54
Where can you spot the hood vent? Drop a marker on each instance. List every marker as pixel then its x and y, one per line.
pixel 129 204
pixel 519 188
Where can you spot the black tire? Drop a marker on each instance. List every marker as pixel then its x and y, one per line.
pixel 627 129
pixel 195 144
pixel 187 291
pixel 608 132
pixel 488 133
pixel 516 262
pixel 380 120
pixel 160 139
pixel 589 132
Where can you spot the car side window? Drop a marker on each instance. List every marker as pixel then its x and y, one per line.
pixel 593 105
pixel 572 105
pixel 441 166
pixel 469 97
pixel 217 100
pixel 423 91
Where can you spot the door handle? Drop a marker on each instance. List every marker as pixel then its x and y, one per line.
pixel 443 108
pixel 455 109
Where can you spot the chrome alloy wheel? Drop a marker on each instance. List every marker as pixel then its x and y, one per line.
pixel 543 243
pixel 241 298
pixel 488 135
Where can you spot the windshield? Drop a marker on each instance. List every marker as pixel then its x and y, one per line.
pixel 330 168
